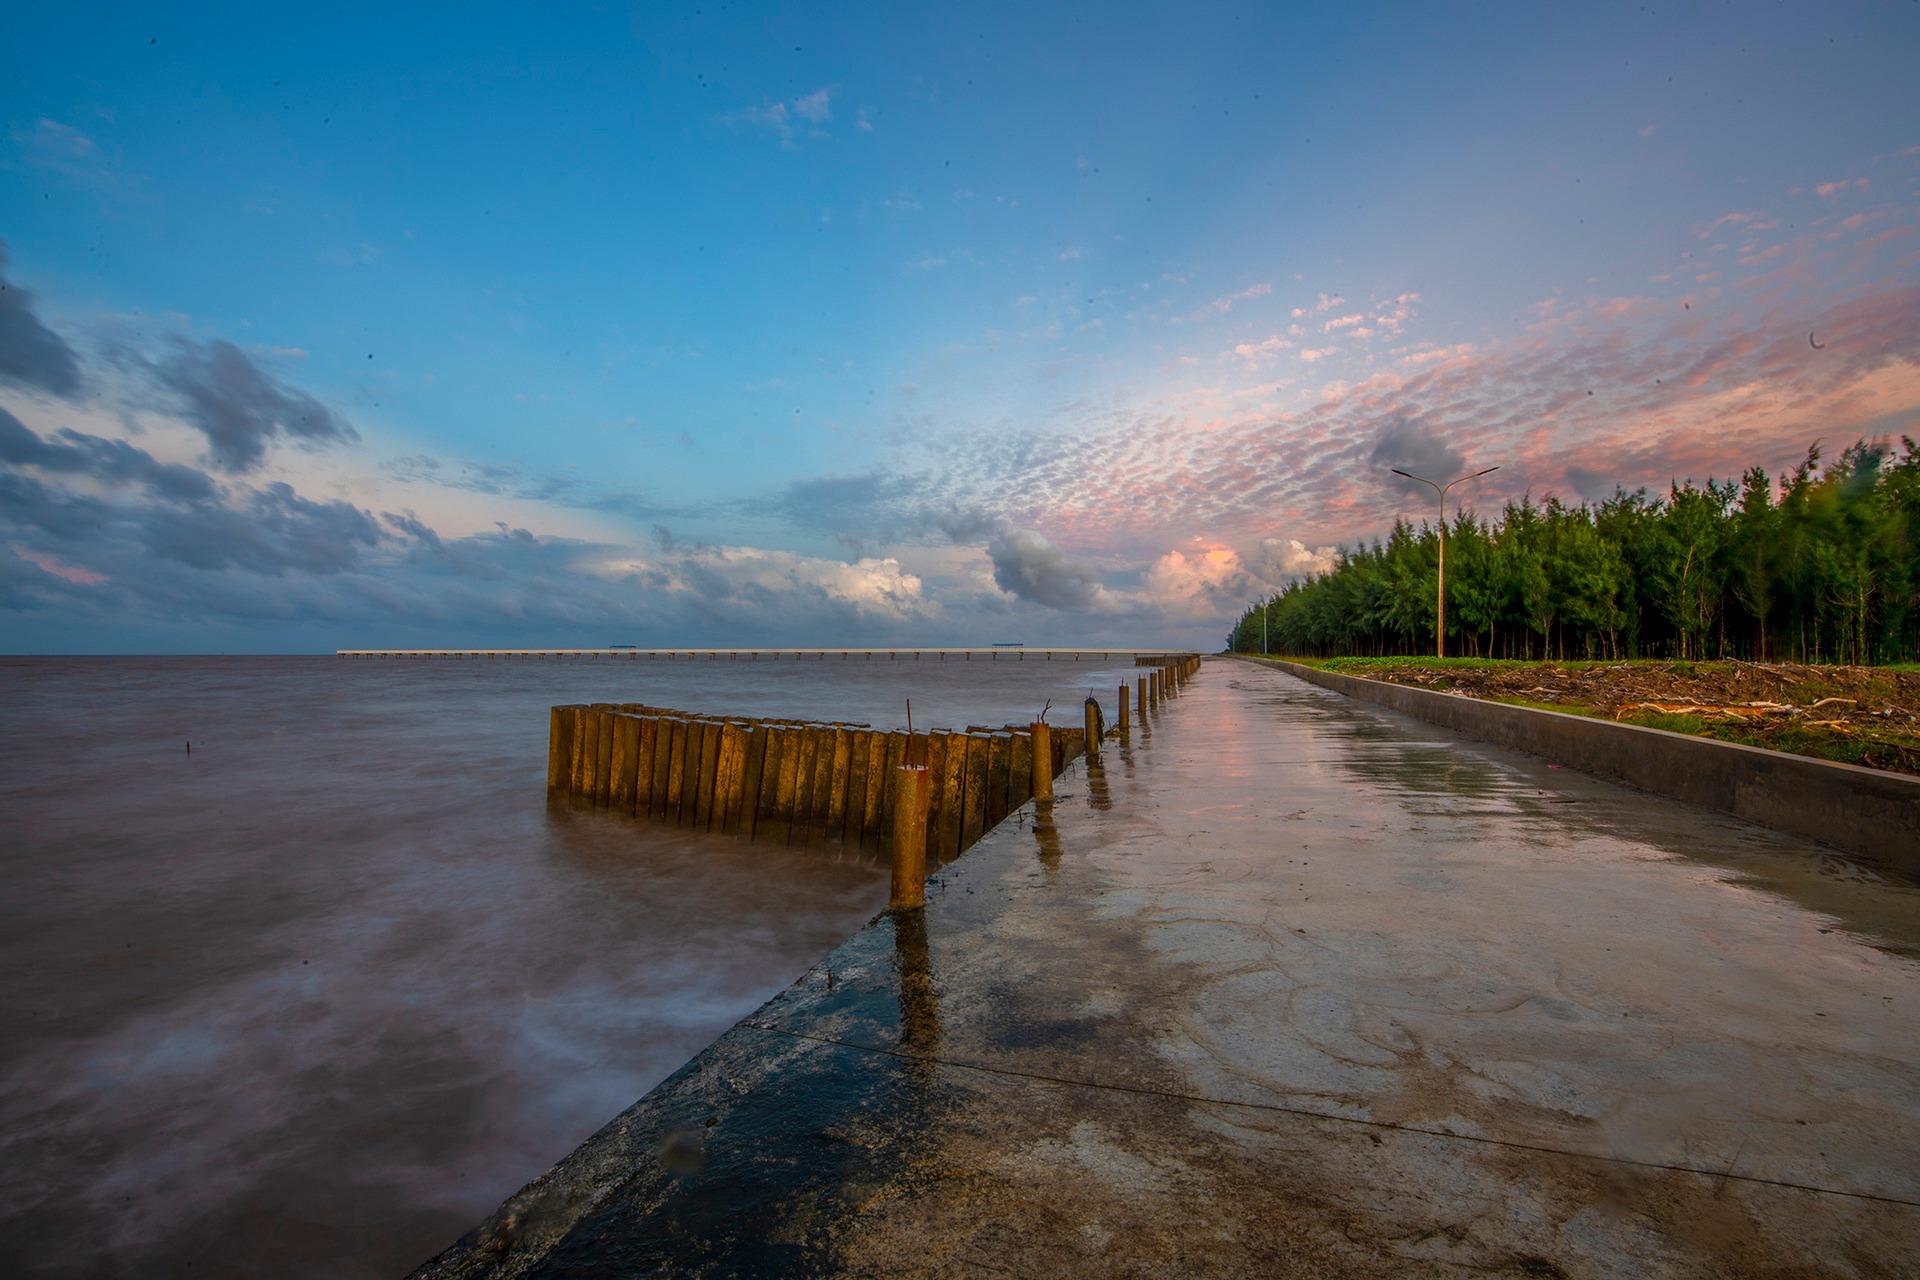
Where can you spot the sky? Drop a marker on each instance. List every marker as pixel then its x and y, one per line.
pixel 720 324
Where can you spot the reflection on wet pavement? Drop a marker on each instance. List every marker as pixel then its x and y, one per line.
pixel 919 1004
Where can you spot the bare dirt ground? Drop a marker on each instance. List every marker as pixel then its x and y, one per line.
pixel 1860 715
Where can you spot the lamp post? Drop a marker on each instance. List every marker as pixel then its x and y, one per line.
pixel 1440 630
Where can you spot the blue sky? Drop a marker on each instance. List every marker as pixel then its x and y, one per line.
pixel 716 323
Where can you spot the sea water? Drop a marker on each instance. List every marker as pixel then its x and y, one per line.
pixel 314 996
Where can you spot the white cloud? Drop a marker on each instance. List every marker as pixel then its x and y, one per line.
pixel 1281 560
pixel 1202 579
pixel 1225 303
pixel 816 106
pixel 786 120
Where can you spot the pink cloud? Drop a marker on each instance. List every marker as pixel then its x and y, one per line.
pixel 1680 396
pixel 65 572
pixel 1265 349
pixel 1585 394
pixel 1327 302
pixel 1726 220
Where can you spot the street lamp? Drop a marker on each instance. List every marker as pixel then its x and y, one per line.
pixel 1440 631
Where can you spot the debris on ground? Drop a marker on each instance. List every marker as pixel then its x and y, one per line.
pixel 1860 715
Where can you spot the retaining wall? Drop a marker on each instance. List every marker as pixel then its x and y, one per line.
pixel 1869 813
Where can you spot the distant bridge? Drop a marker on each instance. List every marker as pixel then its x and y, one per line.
pixel 996 653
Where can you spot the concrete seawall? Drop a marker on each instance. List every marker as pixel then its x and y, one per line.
pixel 1866 812
pixel 1285 985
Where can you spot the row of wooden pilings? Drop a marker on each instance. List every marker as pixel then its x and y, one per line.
pixel 911 796
pixel 1168 677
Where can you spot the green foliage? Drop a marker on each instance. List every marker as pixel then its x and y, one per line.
pixel 1826 569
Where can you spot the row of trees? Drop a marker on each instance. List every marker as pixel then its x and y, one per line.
pixel 1823 567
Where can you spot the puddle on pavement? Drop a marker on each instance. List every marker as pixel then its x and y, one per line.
pixel 1430 776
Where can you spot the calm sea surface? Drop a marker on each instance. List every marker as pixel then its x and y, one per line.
pixel 313 999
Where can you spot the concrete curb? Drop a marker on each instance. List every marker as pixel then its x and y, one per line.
pixel 1869 813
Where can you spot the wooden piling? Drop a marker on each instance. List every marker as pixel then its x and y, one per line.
pixel 626 752
pixel 690 774
pixel 1040 734
pixel 1019 771
pixel 854 824
pixel 661 802
pixel 909 837
pixel 871 803
pixel 787 794
pixel 934 756
pixel 559 748
pixel 709 775
pixel 822 786
pixel 974 794
pixel 750 779
pixel 764 821
pixel 837 782
pixel 999 765
pixel 803 775
pixel 1126 719
pixel 676 779
pixel 580 783
pixel 726 800
pixel 1092 713
pixel 643 754
pixel 953 794
pixel 602 757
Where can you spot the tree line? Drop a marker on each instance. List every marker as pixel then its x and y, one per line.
pixel 1822 567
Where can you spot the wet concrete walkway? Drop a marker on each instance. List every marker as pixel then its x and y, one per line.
pixel 1298 986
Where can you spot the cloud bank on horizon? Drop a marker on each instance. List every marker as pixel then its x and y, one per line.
pixel 920 351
